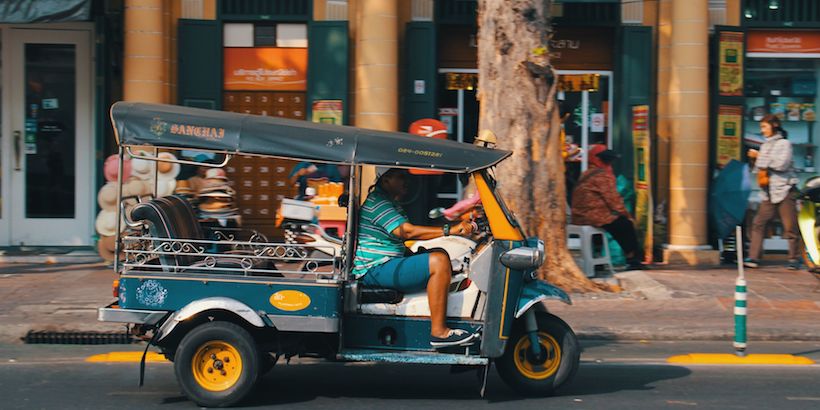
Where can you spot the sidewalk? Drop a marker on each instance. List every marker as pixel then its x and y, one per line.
pixel 656 304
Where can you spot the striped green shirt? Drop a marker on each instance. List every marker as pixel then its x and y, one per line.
pixel 379 216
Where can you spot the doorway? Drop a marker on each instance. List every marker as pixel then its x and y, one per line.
pixel 458 109
pixel 47 137
pixel 585 104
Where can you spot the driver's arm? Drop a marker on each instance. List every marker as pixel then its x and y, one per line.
pixel 408 231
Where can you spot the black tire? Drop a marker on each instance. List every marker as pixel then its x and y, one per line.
pixel 524 374
pixel 229 352
pixel 266 363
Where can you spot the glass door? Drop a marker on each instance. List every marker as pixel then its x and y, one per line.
pixel 585 103
pixel 49 140
pixel 458 109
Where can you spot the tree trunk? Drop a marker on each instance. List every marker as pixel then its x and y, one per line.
pixel 516 89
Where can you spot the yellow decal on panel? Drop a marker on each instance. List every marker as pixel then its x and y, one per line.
pixel 290 300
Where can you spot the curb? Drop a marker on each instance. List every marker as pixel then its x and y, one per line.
pixel 68 258
pixel 653 335
pixel 752 359
pixel 639 282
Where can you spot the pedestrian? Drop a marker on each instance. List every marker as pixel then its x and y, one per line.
pixel 777 179
pixel 596 202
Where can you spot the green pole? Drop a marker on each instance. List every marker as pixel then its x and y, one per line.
pixel 740 298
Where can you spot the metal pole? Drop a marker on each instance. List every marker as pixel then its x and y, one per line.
pixel 740 297
pixel 460 137
pixel 584 130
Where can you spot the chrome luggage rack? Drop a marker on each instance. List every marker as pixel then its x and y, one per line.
pixel 229 256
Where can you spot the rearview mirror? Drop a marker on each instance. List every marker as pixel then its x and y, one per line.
pixel 436 213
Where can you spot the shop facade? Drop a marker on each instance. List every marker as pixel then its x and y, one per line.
pixel 769 64
pixel 53 88
pixel 604 68
pixel 270 59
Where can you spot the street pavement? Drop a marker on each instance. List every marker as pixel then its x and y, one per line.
pixel 658 304
pixel 613 375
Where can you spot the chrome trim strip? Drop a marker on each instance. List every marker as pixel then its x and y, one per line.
pixel 320 324
pixel 137 316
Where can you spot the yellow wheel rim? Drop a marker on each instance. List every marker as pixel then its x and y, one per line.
pixel 537 371
pixel 216 365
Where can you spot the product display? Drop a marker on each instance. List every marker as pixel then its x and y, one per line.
pixel 808 112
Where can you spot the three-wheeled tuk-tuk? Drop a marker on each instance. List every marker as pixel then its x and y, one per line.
pixel 224 305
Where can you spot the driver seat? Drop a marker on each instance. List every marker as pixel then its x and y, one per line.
pixel 365 295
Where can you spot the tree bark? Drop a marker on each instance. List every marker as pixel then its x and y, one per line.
pixel 516 90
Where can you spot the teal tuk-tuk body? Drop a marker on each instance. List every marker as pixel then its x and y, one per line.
pixel 224 304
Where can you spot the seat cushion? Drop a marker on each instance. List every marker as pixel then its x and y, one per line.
pixel 379 295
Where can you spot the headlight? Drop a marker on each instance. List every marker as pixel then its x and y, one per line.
pixel 523 258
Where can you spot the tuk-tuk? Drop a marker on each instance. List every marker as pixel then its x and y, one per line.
pixel 224 305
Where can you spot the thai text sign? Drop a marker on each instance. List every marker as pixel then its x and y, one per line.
pixel 730 75
pixel 277 69
pixel 796 41
pixel 728 133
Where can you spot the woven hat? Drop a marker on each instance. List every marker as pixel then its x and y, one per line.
pixel 165 186
pixel 106 223
pixel 107 197
pixel 106 247
pixel 141 168
pixel 184 187
pixel 133 187
pixel 215 173
pixel 111 167
pixel 168 170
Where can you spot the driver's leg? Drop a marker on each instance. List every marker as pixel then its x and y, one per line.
pixel 437 289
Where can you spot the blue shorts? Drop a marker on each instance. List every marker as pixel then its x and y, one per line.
pixel 405 274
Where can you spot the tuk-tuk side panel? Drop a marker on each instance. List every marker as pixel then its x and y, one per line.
pixel 394 332
pixel 505 287
pixel 280 299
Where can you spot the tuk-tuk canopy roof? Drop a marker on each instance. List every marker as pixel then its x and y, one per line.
pixel 171 126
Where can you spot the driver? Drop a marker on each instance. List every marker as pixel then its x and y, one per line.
pixel 380 260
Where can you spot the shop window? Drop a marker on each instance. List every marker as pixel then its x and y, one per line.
pixel 238 34
pixel 291 35
pixel 787 88
pixel 264 35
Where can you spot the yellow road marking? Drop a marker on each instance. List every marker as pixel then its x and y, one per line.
pixel 726 358
pixel 126 357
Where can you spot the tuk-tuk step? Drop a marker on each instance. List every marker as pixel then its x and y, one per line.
pixel 363 355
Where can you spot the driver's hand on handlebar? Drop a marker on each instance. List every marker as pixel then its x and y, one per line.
pixel 463 228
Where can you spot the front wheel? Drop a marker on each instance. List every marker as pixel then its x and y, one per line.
pixel 217 364
pixel 533 375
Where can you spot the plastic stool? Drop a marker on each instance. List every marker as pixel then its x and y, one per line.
pixel 580 237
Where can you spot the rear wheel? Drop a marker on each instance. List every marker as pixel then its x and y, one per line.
pixel 540 375
pixel 217 364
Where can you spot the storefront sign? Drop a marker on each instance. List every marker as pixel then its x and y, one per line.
pixel 728 133
pixel 643 188
pixel 730 75
pixel 462 81
pixel 277 69
pixel 579 82
pixel 428 127
pixel 582 48
pixel 328 112
pixel 797 41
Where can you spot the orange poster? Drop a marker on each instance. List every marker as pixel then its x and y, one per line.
pixel 795 41
pixel 276 69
